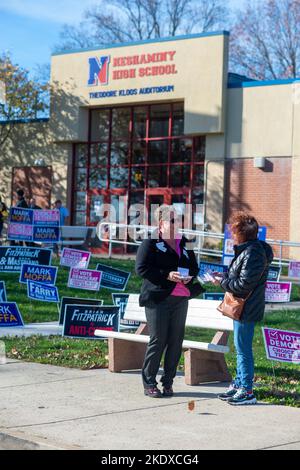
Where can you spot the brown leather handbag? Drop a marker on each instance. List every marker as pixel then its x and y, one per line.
pixel 233 306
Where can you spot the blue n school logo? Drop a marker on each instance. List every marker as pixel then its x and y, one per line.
pixel 98 73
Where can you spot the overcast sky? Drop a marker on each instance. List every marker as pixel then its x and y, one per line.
pixel 30 28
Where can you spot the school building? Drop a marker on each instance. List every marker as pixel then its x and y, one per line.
pixel 162 121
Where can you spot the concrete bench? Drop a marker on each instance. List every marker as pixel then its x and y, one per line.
pixel 203 362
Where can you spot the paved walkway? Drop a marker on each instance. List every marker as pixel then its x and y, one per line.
pixel 50 407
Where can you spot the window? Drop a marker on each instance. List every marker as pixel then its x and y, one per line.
pixel 100 124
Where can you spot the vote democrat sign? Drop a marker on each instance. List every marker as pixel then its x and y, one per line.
pixel 75 258
pixel 10 315
pixel 12 257
pixel 294 269
pixel 3 297
pixel 87 279
pixel 44 274
pixel 278 291
pixel 81 321
pixel 282 346
pixel 113 278
pixel 42 292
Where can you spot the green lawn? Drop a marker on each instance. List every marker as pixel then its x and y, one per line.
pixel 281 388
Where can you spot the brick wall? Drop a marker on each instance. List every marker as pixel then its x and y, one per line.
pixel 265 193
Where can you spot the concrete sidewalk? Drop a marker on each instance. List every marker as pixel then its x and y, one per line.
pixel 47 407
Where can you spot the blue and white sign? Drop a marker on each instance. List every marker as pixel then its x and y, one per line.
pixel 43 274
pixel 214 296
pixel 121 301
pixel 42 292
pixel 10 315
pixel 274 273
pixel 228 250
pixel 46 234
pixel 113 278
pixel 3 297
pixel 210 268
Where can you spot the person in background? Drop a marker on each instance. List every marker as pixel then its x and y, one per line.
pixel 246 278
pixel 33 205
pixel 168 269
pixel 3 215
pixel 64 213
pixel 21 199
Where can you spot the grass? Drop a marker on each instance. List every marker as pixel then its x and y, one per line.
pixel 278 383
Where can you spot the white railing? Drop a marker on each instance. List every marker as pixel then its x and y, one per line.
pixel 200 237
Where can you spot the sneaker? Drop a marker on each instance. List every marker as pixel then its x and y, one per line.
pixel 242 397
pixel 229 393
pixel 168 392
pixel 152 392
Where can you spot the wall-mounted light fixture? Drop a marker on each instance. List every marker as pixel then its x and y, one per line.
pixel 259 162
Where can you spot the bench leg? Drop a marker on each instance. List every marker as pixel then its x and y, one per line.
pixel 205 366
pixel 126 355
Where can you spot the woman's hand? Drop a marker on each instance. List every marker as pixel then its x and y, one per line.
pixel 217 278
pixel 174 276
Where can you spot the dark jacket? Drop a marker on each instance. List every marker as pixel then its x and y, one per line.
pixel 22 203
pixel 154 261
pixel 248 273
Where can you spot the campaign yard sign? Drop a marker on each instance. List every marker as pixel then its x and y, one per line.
pixel 281 345
pixel 86 279
pixel 214 296
pixel 113 278
pixel 41 226
pixel 121 301
pixel 13 257
pixel 278 291
pixel 75 258
pixel 274 273
pixel 228 250
pixel 42 292
pixel 10 315
pixel 75 301
pixel 43 274
pixel 294 269
pixel 3 297
pixel 81 321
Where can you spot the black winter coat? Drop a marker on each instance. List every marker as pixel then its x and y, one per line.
pixel 154 261
pixel 247 273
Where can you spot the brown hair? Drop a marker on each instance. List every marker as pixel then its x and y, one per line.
pixel 244 226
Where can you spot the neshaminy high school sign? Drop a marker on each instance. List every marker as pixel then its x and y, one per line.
pixel 131 67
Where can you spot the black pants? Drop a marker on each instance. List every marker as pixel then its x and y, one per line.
pixel 166 322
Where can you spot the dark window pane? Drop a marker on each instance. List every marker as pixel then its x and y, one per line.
pixel 120 123
pixel 157 177
pixel 139 153
pixel 80 180
pixel 118 178
pixel 95 208
pixel 137 197
pixel 80 201
pixel 100 124
pixel 178 119
pixel 81 151
pixel 200 149
pixel 182 151
pixel 198 196
pixel 99 154
pixel 180 176
pixel 140 122
pixel 158 151
pixel 159 120
pixel 137 178
pixel 119 154
pixel 98 178
pixel 80 218
pixel 198 175
pixel 198 208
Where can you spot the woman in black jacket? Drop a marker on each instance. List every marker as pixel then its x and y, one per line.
pixel 165 294
pixel 246 278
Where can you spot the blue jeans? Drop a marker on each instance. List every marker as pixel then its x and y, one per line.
pixel 243 339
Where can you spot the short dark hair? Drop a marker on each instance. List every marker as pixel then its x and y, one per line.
pixel 244 225
pixel 58 201
pixel 20 192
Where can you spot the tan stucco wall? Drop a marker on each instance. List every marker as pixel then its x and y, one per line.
pixel 27 143
pixel 201 79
